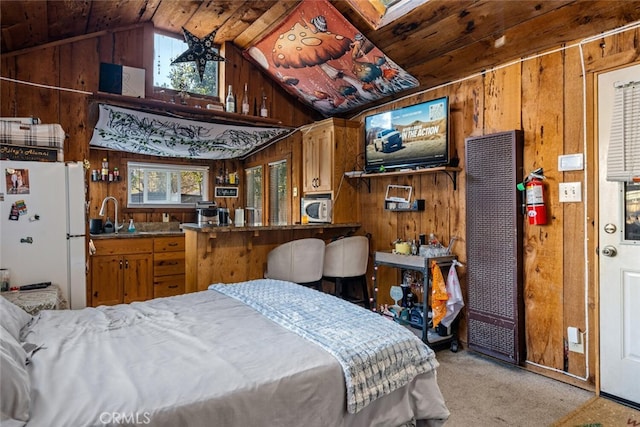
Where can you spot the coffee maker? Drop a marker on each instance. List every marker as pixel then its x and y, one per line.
pixel 206 213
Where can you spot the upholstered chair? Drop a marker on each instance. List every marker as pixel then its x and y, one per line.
pixel 345 264
pixel 300 261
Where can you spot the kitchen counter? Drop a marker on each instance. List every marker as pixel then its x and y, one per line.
pixel 144 229
pixel 207 228
pixel 136 234
pixel 229 254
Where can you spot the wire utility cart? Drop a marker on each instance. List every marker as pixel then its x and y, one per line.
pixel 430 335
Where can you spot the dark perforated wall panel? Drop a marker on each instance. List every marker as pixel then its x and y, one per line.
pixel 494 245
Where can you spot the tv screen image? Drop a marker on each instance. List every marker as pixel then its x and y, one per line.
pixel 409 137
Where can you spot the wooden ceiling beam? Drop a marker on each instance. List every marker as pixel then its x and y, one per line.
pixel 263 24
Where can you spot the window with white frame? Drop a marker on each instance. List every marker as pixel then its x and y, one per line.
pixel 160 184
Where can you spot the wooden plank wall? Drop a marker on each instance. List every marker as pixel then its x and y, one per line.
pixel 542 95
pixel 75 65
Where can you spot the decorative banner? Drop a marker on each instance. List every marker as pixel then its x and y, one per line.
pixel 144 133
pixel 319 57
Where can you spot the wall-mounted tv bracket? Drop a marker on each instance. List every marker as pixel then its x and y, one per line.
pixel 451 172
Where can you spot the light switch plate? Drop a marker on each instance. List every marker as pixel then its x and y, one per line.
pixel 575 341
pixel 571 162
pixel 573 335
pixel 570 192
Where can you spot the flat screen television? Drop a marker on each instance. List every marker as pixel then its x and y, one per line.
pixel 411 137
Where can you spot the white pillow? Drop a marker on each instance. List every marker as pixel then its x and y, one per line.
pixel 15 388
pixel 12 317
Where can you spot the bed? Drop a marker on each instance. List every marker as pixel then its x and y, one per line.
pixel 256 353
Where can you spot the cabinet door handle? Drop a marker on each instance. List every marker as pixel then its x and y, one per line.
pixel 126 264
pixel 120 264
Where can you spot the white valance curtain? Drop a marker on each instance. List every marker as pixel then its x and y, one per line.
pixel 623 157
pixel 145 133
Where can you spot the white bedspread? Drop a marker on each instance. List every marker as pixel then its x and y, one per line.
pixel 376 355
pixel 200 359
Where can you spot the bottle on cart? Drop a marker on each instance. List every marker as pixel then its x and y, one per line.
pixel 407 295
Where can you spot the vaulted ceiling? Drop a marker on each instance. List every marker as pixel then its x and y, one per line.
pixel 437 42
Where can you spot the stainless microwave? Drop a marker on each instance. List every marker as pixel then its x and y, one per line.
pixel 316 209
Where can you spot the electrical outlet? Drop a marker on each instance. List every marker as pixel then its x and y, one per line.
pixel 570 192
pixel 576 347
pixel 165 217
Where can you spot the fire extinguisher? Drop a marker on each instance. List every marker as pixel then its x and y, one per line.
pixel 534 190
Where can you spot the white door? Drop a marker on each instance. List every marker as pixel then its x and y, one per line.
pixel 619 249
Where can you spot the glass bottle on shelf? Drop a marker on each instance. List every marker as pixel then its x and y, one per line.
pixel 230 105
pixel 263 106
pixel 245 101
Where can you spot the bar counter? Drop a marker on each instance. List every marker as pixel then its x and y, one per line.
pixel 230 254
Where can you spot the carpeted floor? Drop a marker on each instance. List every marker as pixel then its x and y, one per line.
pixel 481 391
pixel 600 412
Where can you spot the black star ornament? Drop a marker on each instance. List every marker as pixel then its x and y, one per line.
pixel 200 51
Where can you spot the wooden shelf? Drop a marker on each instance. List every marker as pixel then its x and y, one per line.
pixel 451 172
pixel 156 106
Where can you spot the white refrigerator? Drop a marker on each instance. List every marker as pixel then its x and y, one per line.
pixel 42 226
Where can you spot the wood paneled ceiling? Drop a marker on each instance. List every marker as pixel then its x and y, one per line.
pixel 437 42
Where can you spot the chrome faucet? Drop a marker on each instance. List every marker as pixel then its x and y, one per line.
pixel 102 211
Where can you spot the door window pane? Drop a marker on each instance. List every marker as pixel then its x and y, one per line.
pixel 278 212
pixel 632 211
pixel 254 192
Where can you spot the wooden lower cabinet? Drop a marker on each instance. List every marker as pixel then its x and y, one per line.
pixel 106 280
pixel 128 270
pixel 168 266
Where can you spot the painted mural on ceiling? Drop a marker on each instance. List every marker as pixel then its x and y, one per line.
pixel 319 57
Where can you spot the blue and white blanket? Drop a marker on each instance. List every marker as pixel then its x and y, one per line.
pixel 377 356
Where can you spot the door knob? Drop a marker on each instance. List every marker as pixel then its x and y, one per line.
pixel 609 251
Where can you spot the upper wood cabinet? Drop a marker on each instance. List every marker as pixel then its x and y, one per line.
pixel 317 157
pixel 330 148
